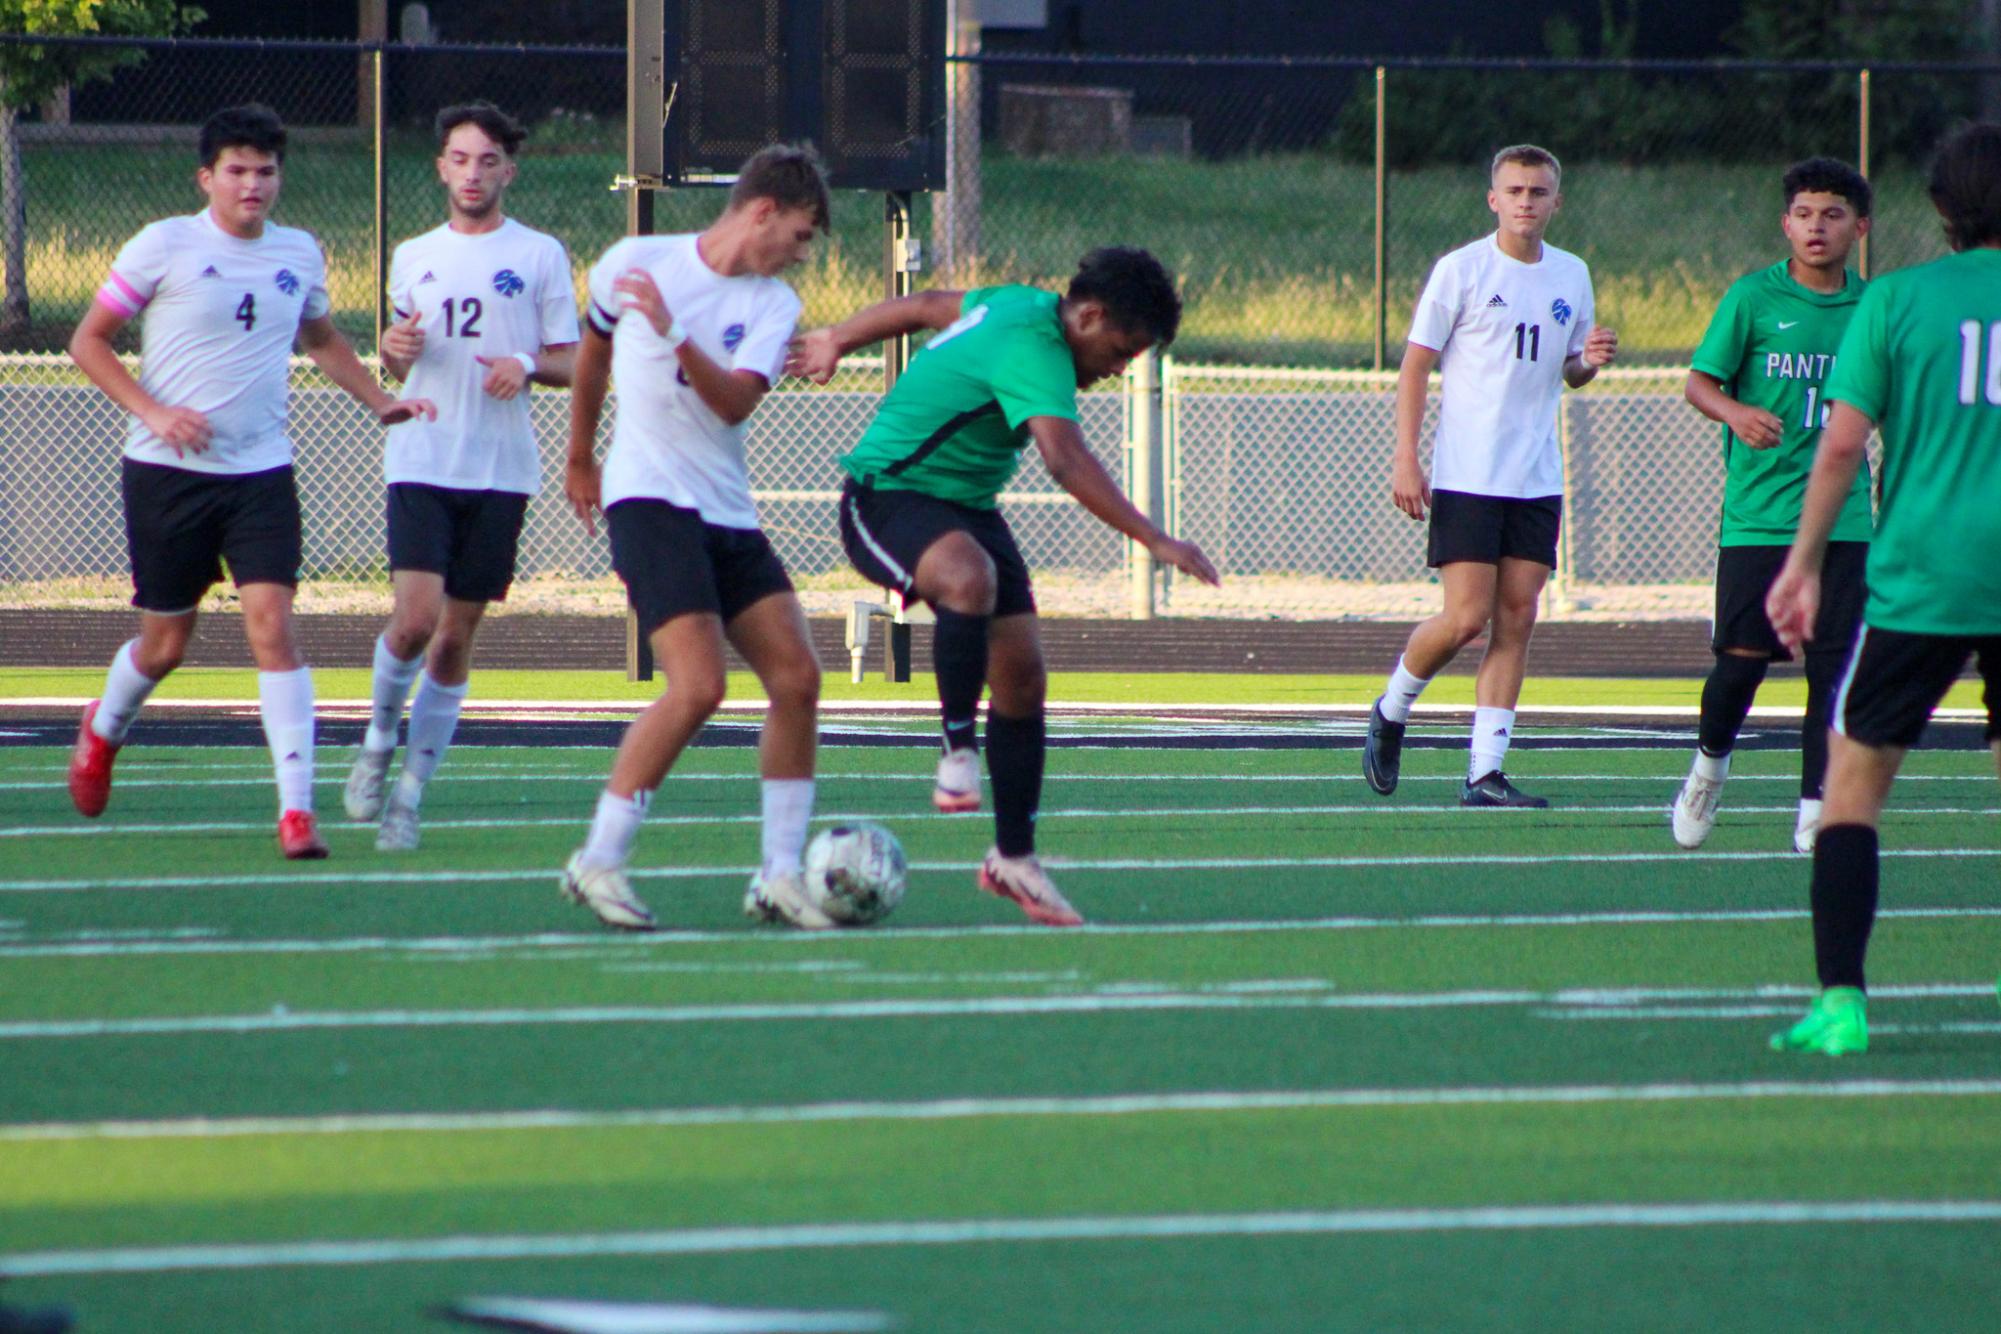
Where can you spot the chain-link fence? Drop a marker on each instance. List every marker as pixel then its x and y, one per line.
pixel 1300 202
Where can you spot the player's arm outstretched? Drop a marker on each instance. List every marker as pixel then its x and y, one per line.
pixel 185 430
pixel 816 354
pixel 1756 427
pixel 334 356
pixel 1794 599
pixel 1409 486
pixel 1076 470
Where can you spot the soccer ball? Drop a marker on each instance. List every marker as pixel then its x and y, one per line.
pixel 855 873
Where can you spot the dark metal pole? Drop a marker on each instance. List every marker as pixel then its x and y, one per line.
pixel 645 160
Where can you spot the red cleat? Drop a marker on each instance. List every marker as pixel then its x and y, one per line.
pixel 299 838
pixel 90 767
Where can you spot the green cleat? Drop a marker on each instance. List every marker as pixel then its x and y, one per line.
pixel 1836 1024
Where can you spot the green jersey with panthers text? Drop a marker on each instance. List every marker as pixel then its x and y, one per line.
pixel 1922 359
pixel 1772 343
pixel 956 422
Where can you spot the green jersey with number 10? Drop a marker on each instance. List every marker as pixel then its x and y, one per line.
pixel 1922 359
pixel 1772 343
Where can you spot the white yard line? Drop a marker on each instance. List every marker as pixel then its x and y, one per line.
pixel 1129 998
pixel 605 945
pixel 955 1109
pixel 1151 1227
pixel 1373 809
pixel 1061 864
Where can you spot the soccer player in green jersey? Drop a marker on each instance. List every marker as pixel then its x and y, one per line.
pixel 1921 361
pixel 918 508
pixel 1759 371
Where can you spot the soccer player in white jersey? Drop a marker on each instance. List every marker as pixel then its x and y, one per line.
pixel 207 473
pixel 1508 322
pixel 694 329
pixel 484 306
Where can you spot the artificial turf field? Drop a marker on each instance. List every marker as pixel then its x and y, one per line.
pixel 1321 1061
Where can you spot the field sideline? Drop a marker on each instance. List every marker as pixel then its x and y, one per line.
pixel 1320 1060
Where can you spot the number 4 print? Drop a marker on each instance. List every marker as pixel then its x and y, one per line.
pixel 246 311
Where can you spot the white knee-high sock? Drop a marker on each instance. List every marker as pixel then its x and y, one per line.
pixel 788 808
pixel 125 690
pixel 285 701
pixel 614 828
pixel 434 716
pixel 1492 730
pixel 1402 692
pixel 393 677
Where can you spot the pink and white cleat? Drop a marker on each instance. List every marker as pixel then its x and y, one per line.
pixel 958 788
pixel 1023 881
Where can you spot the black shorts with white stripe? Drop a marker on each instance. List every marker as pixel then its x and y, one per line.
pixel 673 563
pixel 885 532
pixel 1895 680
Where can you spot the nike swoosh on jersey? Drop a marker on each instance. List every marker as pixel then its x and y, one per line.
pixel 1787 324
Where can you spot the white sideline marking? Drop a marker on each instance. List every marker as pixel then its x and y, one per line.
pixel 803 1236
pixel 957 1109
pixel 1061 864
pixel 600 943
pixel 1128 998
pixel 74 830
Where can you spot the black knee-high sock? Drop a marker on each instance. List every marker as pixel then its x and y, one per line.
pixel 1823 674
pixel 1015 748
pixel 959 655
pixel 1726 700
pixel 1844 902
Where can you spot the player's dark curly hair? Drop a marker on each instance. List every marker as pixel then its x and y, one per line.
pixel 1965 185
pixel 494 123
pixel 253 126
pixel 1828 176
pixel 1135 289
pixel 791 176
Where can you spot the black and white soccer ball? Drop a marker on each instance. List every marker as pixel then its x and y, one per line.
pixel 856 873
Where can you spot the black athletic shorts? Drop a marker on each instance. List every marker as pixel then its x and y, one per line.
pixel 469 537
pixel 1745 574
pixel 1895 680
pixel 885 532
pixel 673 563
pixel 181 525
pixel 1489 528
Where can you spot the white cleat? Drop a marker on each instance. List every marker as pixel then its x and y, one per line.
pixel 363 795
pixel 606 892
pixel 398 830
pixel 1023 881
pixel 958 789
pixel 1695 809
pixel 781 900
pixel 1808 827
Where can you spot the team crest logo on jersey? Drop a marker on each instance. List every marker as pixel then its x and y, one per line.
pixel 211 272
pixel 732 336
pixel 288 282
pixel 508 283
pixel 1561 310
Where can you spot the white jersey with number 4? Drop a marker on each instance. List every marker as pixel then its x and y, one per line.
pixel 667 443
pixel 487 294
pixel 1503 330
pixel 220 317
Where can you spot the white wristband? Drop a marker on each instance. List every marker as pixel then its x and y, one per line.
pixel 676 335
pixel 527 360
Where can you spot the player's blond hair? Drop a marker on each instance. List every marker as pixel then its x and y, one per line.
pixel 1527 155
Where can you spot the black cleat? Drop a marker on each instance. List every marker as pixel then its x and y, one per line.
pixel 1382 751
pixel 1494 789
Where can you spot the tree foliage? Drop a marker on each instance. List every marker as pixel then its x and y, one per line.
pixel 31 74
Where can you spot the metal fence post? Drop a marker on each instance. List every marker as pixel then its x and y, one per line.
pixel 1143 432
pixel 1170 464
pixel 379 117
pixel 1556 594
pixel 646 104
pixel 955 214
pixel 1862 161
pixel 1382 219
